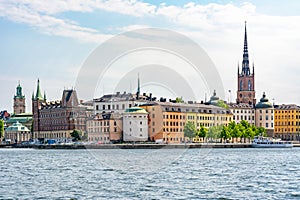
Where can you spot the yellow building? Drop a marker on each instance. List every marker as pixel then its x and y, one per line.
pixel 167 119
pixel 287 122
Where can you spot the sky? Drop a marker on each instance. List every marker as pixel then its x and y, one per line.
pixel 51 40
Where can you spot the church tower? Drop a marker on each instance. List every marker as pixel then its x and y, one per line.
pixel 37 101
pixel 246 89
pixel 19 101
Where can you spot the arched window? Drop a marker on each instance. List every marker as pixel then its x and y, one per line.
pixel 249 85
pixel 241 85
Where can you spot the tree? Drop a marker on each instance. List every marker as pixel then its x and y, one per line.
pixel 179 100
pixel 189 130
pixel 260 131
pixel 1 128
pixel 76 134
pixel 225 133
pixel 214 132
pixel 222 104
pixel 202 132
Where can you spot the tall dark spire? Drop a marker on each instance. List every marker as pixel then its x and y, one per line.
pixel 245 63
pixel 38 95
pixel 138 89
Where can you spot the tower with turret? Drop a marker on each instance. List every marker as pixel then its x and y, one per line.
pixel 246 89
pixel 19 101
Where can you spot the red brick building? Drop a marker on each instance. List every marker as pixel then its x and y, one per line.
pixel 57 119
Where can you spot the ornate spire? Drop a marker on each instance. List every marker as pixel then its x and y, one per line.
pixel 138 89
pixel 245 63
pixel 45 96
pixel 38 95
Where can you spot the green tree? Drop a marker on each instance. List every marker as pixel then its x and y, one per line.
pixel 76 134
pixel 202 132
pixel 225 133
pixel 179 100
pixel 1 128
pixel 189 130
pixel 214 132
pixel 261 131
pixel 222 104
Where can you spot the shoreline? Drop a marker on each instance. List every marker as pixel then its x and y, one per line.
pixel 138 146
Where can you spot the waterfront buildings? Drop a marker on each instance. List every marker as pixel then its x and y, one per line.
pixel 287 122
pixel 57 119
pixel 135 125
pixel 167 119
pixel 243 111
pixel 264 115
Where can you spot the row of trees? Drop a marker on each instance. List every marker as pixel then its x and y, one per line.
pixel 233 130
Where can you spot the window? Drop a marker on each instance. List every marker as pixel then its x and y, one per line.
pixel 267 125
pixel 97 107
pixel 249 85
pixel 141 129
pixel 241 85
pixel 103 107
pixel 141 122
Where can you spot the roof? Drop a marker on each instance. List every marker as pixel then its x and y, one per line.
pixel 240 106
pixel 18 119
pixel 136 110
pixel 17 127
pixel 287 107
pixel 116 97
pixel 264 102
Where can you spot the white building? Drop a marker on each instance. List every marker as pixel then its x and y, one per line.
pixel 17 133
pixel 243 111
pixel 118 102
pixel 135 125
pixel 264 115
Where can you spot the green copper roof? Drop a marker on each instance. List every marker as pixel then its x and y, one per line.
pixel 136 110
pixel 19 92
pixel 264 102
pixel 17 127
pixel 38 95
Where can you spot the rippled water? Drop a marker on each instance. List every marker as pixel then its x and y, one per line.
pixel 138 174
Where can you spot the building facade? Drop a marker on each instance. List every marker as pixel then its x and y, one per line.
pixel 135 125
pixel 242 111
pixel 287 122
pixel 17 133
pixel 264 115
pixel 105 128
pixel 246 84
pixel 167 119
pixel 57 119
pixel 19 101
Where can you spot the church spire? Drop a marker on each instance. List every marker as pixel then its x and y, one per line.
pixel 138 89
pixel 38 95
pixel 245 63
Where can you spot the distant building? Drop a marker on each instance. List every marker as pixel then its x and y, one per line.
pixel 246 89
pixel 135 125
pixel 242 111
pixel 19 101
pixel 264 115
pixel 105 128
pixel 287 122
pixel 17 133
pixel 167 119
pixel 57 119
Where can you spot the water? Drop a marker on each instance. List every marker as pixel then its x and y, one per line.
pixel 193 174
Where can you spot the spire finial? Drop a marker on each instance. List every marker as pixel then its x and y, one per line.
pixel 245 64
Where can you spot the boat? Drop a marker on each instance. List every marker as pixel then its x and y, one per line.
pixel 267 142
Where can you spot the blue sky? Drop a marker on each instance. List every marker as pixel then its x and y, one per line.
pixel 50 40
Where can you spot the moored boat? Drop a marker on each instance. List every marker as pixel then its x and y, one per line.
pixel 266 142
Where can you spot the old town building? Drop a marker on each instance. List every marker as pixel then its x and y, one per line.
pixel 287 122
pixel 17 133
pixel 264 115
pixel 57 119
pixel 135 125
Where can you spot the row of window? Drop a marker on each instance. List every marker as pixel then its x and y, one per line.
pixel 113 107
pixel 243 111
pixel 243 117
pixel 267 117
pixel 267 125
